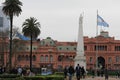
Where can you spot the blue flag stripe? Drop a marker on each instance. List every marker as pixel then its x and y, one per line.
pixel 101 22
pixel 22 36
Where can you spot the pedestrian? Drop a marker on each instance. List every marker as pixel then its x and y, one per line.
pixel 106 74
pixel 82 72
pixel 78 72
pixel 24 72
pixel 118 74
pixel 70 72
pixel 93 73
pixel 65 72
pixel 19 70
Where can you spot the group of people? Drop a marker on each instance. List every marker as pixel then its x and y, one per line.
pixel 70 71
pixel 17 70
pixel 22 71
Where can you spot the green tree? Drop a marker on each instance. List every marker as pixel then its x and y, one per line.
pixel 31 28
pixel 11 8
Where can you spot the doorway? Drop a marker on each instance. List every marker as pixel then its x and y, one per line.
pixel 101 62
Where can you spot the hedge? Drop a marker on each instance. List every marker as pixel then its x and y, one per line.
pixel 19 78
pixel 9 76
pixel 38 77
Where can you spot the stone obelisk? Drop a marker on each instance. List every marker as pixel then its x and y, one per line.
pixel 80 56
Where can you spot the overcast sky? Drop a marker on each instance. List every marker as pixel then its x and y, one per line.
pixel 59 18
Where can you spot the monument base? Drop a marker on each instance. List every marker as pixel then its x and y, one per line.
pixel 81 60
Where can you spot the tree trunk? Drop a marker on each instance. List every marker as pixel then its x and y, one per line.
pixel 10 50
pixel 31 53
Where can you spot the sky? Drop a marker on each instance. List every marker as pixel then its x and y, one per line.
pixel 59 19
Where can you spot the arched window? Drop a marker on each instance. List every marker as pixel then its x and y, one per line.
pixel 46 58
pixel 27 58
pixel 51 58
pixel 59 58
pixel 34 58
pixel 22 57
pixel 91 59
pixel 19 58
pixel 117 58
pixel 41 58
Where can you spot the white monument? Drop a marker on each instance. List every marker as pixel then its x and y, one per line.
pixel 4 21
pixel 80 57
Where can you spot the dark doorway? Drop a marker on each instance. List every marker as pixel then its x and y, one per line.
pixel 101 62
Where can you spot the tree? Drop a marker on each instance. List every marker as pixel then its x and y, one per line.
pixel 31 28
pixel 11 8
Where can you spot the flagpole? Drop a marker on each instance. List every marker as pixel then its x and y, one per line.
pixel 96 43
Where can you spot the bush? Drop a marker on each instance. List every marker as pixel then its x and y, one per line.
pixel 9 76
pixel 112 73
pixel 34 78
pixel 59 73
pixel 19 78
pixel 55 78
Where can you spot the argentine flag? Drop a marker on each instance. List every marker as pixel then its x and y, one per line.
pixel 22 37
pixel 101 22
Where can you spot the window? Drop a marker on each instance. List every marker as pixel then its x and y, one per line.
pixel 46 58
pixel 50 43
pixel 19 58
pixel 27 48
pixel 117 48
pixel 75 49
pixel 91 59
pixel 27 58
pixel 20 48
pixel 59 58
pixel 85 48
pixel 34 48
pixel 109 60
pixel 42 58
pixel 1 21
pixel 67 48
pixel 34 58
pixel 117 58
pixel 51 58
pixel 22 57
pixel 100 48
pixel 60 48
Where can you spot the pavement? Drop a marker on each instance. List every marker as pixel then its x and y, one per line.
pixel 96 78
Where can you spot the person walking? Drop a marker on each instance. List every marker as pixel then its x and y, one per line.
pixel 83 72
pixel 19 70
pixel 118 74
pixel 65 72
pixel 70 72
pixel 78 72
pixel 106 74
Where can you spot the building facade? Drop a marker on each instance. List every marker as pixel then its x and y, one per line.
pixel 4 30
pixel 4 21
pixel 101 51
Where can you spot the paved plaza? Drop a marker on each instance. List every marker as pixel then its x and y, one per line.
pixel 100 78
pixel 96 78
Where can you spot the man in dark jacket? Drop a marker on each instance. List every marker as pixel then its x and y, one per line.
pixel 70 72
pixel 106 74
pixel 78 72
pixel 82 72
pixel 65 72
